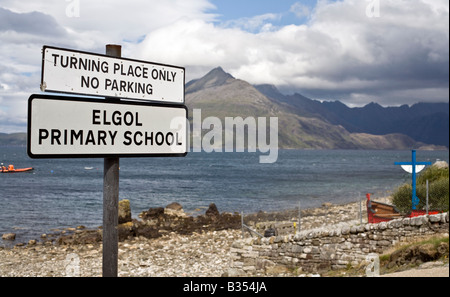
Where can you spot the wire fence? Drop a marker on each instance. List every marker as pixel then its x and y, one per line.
pixel 296 218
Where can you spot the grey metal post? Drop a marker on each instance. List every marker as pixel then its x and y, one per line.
pixel 427 196
pixel 111 200
pixel 242 223
pixel 360 210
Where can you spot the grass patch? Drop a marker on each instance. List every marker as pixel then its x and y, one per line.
pixel 433 242
pixel 360 270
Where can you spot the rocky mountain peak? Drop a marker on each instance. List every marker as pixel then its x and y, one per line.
pixel 214 78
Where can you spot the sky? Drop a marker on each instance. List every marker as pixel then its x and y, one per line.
pixel 391 52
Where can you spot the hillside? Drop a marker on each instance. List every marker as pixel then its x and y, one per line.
pixel 220 95
pixel 13 139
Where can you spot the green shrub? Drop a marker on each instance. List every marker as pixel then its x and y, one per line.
pixel 438 195
pixel 432 174
pixel 402 198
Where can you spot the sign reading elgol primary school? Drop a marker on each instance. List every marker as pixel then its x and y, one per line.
pixel 81 127
pixel 70 71
pixel 110 128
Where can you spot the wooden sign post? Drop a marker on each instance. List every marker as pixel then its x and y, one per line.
pixel 111 201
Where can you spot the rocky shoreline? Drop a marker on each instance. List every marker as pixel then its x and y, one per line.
pixel 164 242
pixel 159 221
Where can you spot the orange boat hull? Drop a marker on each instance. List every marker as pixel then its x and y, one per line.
pixel 17 170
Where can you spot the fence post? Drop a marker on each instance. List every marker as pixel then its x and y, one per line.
pixel 242 223
pixel 427 196
pixel 360 209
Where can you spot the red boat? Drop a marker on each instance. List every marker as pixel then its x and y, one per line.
pixel 11 169
pixel 378 212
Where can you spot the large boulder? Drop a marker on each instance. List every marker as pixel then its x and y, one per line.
pixel 125 231
pixel 174 209
pixel 417 254
pixel 146 231
pixel 172 218
pixel 9 236
pixel 174 206
pixel 212 211
pixel 440 164
pixel 443 249
pixel 152 213
pixel 427 252
pixel 124 211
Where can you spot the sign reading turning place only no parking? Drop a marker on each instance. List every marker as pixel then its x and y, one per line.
pixel 70 71
pixel 60 127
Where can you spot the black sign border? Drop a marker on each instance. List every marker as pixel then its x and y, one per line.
pixel 117 58
pixel 93 156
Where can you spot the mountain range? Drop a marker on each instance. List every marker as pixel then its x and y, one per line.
pixel 310 124
pixel 13 139
pixel 304 123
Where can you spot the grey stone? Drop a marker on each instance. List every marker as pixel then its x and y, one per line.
pixel 278 239
pixel 307 250
pixel 262 264
pixel 238 244
pixel 236 272
pixel 345 230
pixel 296 248
pixel 435 218
pixel 384 243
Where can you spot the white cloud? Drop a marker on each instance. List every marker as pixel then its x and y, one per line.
pixel 400 57
pixel 25 26
pixel 339 53
pixel 101 22
pixel 259 23
pixel 300 10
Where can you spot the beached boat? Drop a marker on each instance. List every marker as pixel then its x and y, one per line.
pixel 378 212
pixel 11 169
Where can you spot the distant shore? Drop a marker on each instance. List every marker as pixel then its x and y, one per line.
pixel 20 139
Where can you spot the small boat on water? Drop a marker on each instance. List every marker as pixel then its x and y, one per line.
pixel 11 169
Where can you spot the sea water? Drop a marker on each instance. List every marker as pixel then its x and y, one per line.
pixel 63 193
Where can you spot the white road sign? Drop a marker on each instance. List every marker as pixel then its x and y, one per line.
pixel 60 127
pixel 76 72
